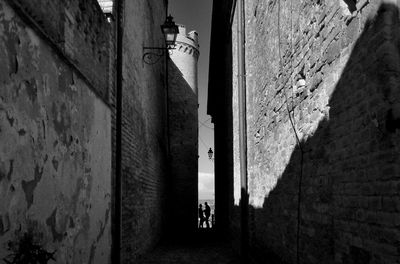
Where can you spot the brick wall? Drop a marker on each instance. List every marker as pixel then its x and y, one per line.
pixel 328 72
pixel 55 136
pixel 144 148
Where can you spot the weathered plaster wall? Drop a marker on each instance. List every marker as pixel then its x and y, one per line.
pixel 55 145
pixel 331 68
pixel 144 144
pixel 78 30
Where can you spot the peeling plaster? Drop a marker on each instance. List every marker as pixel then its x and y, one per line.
pixel 55 149
pixel 51 222
pixel 3 171
pixel 29 186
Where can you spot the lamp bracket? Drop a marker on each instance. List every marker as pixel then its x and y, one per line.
pixel 151 55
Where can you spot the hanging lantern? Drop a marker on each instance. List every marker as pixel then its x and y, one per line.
pixel 170 31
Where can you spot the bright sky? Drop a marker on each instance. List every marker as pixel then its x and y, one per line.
pixel 196 15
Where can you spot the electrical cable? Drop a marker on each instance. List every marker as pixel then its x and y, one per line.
pixel 117 214
pixel 300 146
pixel 293 127
pixel 205 120
pixel 205 125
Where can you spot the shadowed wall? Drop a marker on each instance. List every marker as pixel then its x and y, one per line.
pixel 183 126
pixel 55 131
pixel 333 197
pixel 325 72
pixel 144 133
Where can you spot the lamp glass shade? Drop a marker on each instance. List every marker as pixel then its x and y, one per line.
pixel 170 31
pixel 170 39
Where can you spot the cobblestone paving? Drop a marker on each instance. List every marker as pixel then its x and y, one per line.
pixel 210 253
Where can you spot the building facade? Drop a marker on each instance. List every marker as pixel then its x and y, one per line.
pixel 322 131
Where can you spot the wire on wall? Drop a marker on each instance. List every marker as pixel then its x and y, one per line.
pixel 292 123
pixel 117 214
pixel 202 141
pixel 203 124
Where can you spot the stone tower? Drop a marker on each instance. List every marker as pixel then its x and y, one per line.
pixel 186 55
pixel 183 120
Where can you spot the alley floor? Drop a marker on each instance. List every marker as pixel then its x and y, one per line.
pixel 204 251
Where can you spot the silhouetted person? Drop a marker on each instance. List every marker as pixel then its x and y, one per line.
pixel 201 216
pixel 207 212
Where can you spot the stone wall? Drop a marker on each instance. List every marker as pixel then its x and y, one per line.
pixel 55 130
pixel 78 30
pixel 57 127
pixel 183 131
pixel 323 130
pixel 186 56
pixel 144 142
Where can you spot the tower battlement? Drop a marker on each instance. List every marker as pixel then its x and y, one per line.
pixel 186 55
pixel 187 42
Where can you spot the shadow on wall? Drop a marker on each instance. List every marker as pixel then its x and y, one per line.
pixel 183 191
pixel 348 170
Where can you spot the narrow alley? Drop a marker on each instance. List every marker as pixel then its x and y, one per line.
pixel 184 254
pixel 205 250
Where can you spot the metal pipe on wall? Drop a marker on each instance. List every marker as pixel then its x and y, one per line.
pixel 169 201
pixel 244 200
pixel 116 226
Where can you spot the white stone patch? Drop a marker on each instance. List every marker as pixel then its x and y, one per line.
pixel 106 5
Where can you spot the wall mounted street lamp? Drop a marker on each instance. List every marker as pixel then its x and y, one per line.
pixel 170 31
